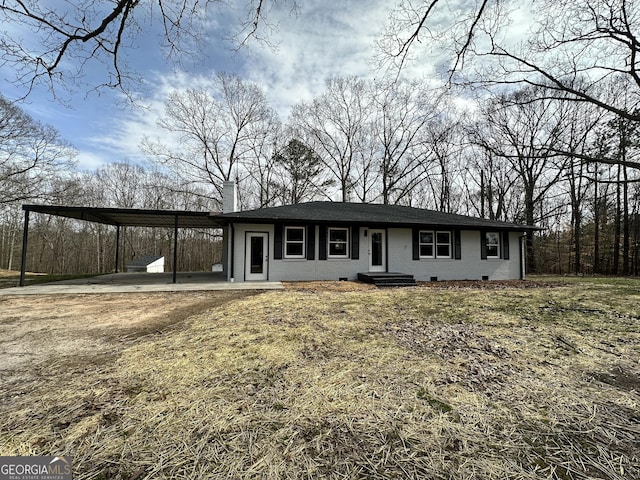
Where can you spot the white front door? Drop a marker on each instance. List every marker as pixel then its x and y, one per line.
pixel 377 251
pixel 256 256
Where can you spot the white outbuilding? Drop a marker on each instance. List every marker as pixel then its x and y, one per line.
pixel 146 263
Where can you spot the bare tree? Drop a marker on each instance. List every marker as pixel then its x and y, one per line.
pixel 58 44
pixel 402 114
pixel 336 124
pixel 571 46
pixel 524 134
pixel 582 120
pixel 214 132
pixel 489 184
pixel 32 156
pixel 445 146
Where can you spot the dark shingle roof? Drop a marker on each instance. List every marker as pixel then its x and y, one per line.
pixel 363 213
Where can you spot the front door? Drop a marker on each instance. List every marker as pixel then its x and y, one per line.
pixel 377 251
pixel 257 256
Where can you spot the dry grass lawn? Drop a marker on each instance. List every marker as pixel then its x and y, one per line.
pixel 345 381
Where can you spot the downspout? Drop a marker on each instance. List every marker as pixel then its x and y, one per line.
pixel 232 240
pixel 117 247
pixel 522 254
pixel 175 249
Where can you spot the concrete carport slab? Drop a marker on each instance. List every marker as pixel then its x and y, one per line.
pixel 140 282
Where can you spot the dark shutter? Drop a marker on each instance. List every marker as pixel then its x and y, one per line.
pixel 483 245
pixel 311 242
pixel 322 239
pixel 355 243
pixel 277 241
pixel 415 240
pixel 505 245
pixel 457 245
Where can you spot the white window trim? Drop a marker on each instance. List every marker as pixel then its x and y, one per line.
pixel 435 244
pixel 329 242
pixel 486 241
pixel 303 242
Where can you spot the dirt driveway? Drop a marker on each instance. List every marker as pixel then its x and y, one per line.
pixel 49 330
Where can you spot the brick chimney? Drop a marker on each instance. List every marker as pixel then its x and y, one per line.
pixel 229 197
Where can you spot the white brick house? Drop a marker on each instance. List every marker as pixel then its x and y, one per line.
pixel 331 241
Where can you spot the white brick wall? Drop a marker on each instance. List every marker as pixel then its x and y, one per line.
pixel 399 259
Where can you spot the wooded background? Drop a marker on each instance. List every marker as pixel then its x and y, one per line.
pixel 504 157
pixel 541 132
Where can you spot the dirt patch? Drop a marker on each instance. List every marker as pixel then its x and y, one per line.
pixel 60 332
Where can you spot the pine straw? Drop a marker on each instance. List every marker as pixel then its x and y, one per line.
pixel 415 383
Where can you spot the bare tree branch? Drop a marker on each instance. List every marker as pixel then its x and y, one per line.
pixel 68 39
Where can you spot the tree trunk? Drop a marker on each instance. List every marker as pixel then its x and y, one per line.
pixel 617 227
pixel 625 222
pixel 596 227
pixel 482 194
pixel 12 243
pixel 577 227
pixel 530 217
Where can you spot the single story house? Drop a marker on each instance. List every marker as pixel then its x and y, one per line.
pixel 332 241
pixel 147 264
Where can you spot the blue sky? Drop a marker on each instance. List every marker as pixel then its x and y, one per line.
pixel 324 38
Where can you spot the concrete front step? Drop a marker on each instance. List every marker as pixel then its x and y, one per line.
pixel 388 279
pixel 396 284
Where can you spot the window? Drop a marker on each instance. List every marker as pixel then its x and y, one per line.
pixel 426 244
pixel 294 242
pixel 338 242
pixel 493 244
pixel 435 244
pixel 443 244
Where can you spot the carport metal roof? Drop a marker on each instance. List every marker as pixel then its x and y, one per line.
pixel 133 217
pixel 122 217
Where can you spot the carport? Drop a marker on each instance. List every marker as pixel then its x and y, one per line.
pixel 121 217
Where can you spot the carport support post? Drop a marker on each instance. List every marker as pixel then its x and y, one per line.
pixel 175 249
pixel 117 247
pixel 25 234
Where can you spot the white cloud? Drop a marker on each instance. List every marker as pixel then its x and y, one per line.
pixel 321 41
pixel 89 160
